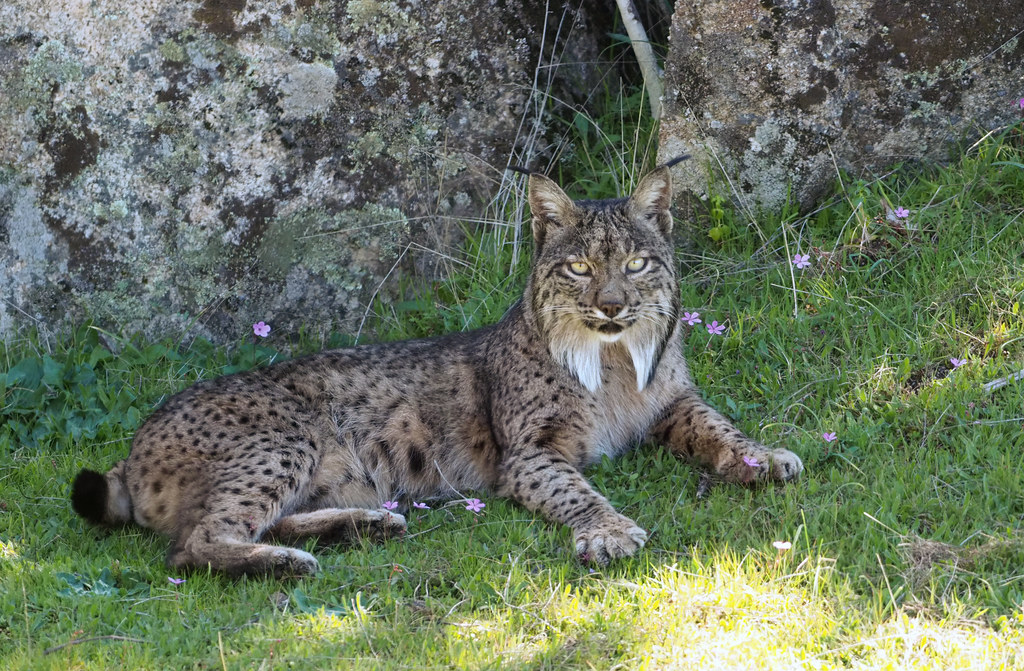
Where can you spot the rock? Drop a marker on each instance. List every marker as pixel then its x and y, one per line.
pixel 173 166
pixel 780 93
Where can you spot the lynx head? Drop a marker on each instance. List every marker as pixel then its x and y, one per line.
pixel 604 276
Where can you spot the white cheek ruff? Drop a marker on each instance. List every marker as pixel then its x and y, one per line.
pixel 643 349
pixel 578 349
pixel 581 356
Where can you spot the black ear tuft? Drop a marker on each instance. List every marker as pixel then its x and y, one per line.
pixel 518 168
pixel 677 160
pixel 89 496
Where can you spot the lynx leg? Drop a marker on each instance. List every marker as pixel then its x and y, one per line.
pixel 541 479
pixel 334 526
pixel 224 535
pixel 210 545
pixel 695 430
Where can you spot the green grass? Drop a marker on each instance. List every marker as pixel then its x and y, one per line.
pixel 907 540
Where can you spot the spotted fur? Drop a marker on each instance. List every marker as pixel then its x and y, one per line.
pixel 588 363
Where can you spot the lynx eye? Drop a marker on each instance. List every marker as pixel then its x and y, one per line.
pixel 636 265
pixel 578 268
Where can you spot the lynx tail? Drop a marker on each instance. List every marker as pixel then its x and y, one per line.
pixel 102 499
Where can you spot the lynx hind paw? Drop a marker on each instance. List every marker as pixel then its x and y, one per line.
pixel 379 525
pixel 617 538
pixel 290 562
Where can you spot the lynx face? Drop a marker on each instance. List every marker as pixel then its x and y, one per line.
pixel 604 273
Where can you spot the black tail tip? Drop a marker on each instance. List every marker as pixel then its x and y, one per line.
pixel 89 495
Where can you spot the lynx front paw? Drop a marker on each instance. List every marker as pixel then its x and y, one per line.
pixel 784 465
pixel 610 539
pixel 758 463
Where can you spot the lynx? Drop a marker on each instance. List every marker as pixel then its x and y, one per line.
pixel 588 363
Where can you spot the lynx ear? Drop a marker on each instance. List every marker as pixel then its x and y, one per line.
pixel 549 206
pixel 651 199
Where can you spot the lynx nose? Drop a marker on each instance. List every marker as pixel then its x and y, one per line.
pixel 610 308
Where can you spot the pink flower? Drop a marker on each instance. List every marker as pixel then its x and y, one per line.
pixel 474 505
pixel 261 329
pixel 421 506
pixel 801 261
pixel 390 505
pixel 957 362
pixel 902 213
pixel 752 462
pixel 691 318
pixel 828 436
pixel 175 581
pixel 782 546
pixel 1020 103
pixel 714 328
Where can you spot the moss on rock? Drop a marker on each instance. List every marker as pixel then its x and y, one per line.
pixel 205 164
pixel 778 94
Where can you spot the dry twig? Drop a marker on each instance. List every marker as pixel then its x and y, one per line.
pixel 1003 381
pixel 644 55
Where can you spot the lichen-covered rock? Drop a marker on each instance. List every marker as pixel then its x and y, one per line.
pixel 204 164
pixel 779 94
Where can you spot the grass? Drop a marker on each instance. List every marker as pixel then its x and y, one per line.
pixel 907 546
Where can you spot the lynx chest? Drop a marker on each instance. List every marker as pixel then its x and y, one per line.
pixel 622 415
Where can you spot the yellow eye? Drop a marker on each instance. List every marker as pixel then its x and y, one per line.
pixel 579 268
pixel 636 265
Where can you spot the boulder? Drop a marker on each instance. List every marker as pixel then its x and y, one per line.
pixel 173 166
pixel 770 96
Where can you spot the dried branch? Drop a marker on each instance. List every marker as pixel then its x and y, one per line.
pixel 644 55
pixel 1003 381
